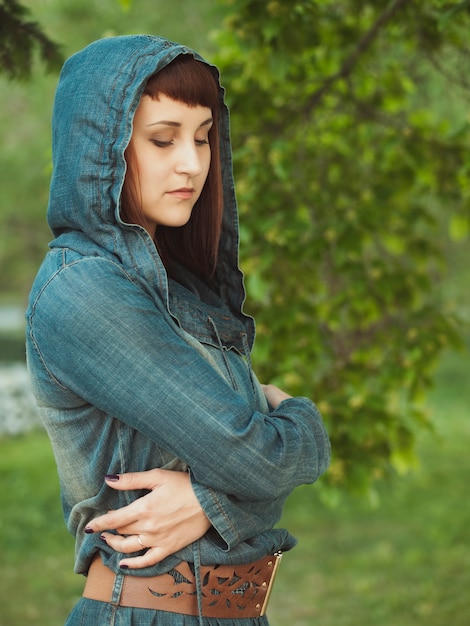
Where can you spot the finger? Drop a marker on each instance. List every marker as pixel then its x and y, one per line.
pixel 117 519
pixel 135 480
pixel 151 557
pixel 126 545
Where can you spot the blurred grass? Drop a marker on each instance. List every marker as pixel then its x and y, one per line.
pixel 37 551
pixel 12 347
pixel 404 563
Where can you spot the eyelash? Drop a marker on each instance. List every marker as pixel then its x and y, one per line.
pixel 166 144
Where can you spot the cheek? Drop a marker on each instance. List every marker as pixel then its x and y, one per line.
pixel 207 164
pixel 151 170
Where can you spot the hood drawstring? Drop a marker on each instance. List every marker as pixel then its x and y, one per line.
pixel 197 576
pixel 246 349
pixel 223 351
pixel 247 355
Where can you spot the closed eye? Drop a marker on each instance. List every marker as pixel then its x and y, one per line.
pixel 165 144
pixel 161 144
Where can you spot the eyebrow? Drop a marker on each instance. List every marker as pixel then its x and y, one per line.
pixel 178 124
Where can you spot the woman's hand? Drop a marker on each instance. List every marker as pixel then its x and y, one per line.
pixel 163 521
pixel 274 395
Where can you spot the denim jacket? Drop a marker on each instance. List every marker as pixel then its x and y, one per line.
pixel 133 371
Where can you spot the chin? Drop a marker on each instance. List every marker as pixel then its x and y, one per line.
pixel 174 222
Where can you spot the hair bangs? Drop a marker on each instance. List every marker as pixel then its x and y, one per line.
pixel 186 80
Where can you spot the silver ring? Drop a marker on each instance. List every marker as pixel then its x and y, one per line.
pixel 140 541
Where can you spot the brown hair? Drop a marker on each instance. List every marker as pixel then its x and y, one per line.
pixel 194 245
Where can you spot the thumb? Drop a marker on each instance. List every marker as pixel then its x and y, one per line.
pixel 134 480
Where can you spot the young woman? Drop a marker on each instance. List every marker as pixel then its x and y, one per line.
pixel 139 351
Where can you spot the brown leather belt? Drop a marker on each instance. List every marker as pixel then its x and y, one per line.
pixel 228 591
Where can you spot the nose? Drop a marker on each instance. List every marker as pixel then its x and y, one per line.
pixel 188 160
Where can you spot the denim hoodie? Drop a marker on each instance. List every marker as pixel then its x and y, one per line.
pixel 132 370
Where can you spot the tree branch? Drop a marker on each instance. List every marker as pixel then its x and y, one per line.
pixel 361 48
pixel 18 39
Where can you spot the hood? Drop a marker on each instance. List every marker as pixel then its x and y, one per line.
pixel 96 98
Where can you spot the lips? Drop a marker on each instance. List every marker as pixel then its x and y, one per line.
pixel 184 193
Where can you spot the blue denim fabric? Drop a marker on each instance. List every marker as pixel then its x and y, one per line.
pixel 92 613
pixel 132 371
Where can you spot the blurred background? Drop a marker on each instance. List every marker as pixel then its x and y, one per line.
pixel 350 129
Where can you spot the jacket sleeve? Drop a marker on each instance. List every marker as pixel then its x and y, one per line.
pixel 100 335
pixel 234 520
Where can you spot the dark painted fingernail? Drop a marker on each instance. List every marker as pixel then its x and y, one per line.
pixel 103 538
pixel 112 478
pixel 124 566
pixel 89 531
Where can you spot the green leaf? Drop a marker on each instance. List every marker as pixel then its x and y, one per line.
pixel 459 227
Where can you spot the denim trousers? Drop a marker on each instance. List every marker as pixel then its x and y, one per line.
pixel 93 613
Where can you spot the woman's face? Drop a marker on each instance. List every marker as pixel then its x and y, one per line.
pixel 172 158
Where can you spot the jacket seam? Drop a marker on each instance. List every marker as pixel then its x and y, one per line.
pixel 222 512
pixel 64 267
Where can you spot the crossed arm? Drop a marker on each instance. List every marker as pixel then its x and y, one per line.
pixel 275 451
pixel 166 519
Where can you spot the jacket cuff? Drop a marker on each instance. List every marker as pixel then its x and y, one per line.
pixel 223 533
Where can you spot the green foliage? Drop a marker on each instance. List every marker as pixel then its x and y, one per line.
pixel 343 171
pixel 19 37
